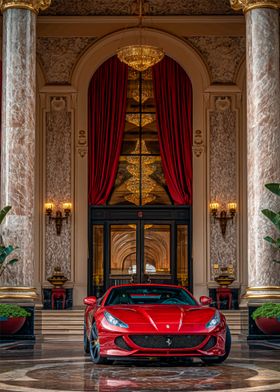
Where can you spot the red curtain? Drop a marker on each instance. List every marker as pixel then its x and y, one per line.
pixel 173 99
pixel 107 108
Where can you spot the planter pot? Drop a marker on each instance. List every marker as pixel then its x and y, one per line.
pixel 11 325
pixel 269 326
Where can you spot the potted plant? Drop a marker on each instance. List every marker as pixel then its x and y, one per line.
pixel 12 318
pixel 5 251
pixel 267 318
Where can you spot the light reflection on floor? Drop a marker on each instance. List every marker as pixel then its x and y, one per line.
pixel 61 366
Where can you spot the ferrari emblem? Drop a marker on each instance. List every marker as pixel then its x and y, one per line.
pixel 168 342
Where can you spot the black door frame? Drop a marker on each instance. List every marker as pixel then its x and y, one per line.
pixel 174 215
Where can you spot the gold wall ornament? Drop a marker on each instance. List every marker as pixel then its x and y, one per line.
pixel 31 5
pixel 247 5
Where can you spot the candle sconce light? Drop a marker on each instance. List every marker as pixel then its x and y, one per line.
pixel 224 215
pixel 59 217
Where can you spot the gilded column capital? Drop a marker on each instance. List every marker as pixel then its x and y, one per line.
pixel 247 5
pixel 32 5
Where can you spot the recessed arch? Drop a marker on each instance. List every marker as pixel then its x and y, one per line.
pixel 193 65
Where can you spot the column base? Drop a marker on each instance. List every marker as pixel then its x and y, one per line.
pixel 258 295
pixel 18 294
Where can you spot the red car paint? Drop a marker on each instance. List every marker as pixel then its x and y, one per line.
pixel 150 320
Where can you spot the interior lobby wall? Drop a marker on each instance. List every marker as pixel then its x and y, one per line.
pixel 67 63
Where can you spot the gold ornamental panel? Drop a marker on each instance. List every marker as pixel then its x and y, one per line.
pixel 247 5
pixel 31 5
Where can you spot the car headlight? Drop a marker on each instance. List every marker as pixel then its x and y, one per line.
pixel 114 320
pixel 215 320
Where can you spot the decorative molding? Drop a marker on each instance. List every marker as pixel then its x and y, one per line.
pixel 82 146
pixel 58 104
pixel 31 5
pixel 198 145
pixel 153 7
pixel 248 5
pixel 222 103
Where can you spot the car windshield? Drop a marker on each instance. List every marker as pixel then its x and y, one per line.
pixel 149 295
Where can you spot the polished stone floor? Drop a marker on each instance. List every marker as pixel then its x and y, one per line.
pixel 62 367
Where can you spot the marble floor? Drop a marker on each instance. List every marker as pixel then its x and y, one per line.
pixel 62 366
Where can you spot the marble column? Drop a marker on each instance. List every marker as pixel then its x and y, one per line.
pixel 18 140
pixel 263 139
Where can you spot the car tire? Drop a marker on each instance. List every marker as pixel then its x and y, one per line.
pixel 217 360
pixel 94 347
pixel 86 342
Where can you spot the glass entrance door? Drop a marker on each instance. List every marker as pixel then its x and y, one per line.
pixel 140 253
pixel 139 245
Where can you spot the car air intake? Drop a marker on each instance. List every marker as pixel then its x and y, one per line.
pixel 211 343
pixel 167 341
pixel 120 342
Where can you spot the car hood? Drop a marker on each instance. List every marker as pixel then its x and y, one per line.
pixel 163 318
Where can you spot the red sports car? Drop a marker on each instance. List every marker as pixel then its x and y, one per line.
pixel 154 320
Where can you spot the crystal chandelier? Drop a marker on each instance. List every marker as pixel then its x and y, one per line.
pixel 133 183
pixel 140 56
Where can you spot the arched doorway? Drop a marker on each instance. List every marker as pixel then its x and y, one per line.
pixel 140 213
pixel 190 61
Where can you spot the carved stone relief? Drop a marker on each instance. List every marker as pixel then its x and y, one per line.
pixel 223 180
pixel 58 56
pixel 223 55
pixel 198 143
pixel 153 7
pixel 58 183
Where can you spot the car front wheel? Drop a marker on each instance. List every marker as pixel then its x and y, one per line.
pixel 216 360
pixel 86 342
pixel 94 346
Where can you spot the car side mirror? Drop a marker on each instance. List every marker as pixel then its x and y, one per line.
pixel 90 301
pixel 204 300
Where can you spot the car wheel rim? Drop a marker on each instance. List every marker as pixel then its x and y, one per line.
pixel 94 344
pixel 85 336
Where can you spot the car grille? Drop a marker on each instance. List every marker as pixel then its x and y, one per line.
pixel 167 341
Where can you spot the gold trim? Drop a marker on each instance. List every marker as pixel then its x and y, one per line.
pixel 18 296
pixel 248 5
pixel 260 296
pixel 31 5
pixel 263 288
pixel 18 293
pixel 264 292
pixel 17 288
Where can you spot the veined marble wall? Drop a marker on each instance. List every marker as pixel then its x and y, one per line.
pixel 222 55
pixel 223 179
pixel 58 188
pixel 58 56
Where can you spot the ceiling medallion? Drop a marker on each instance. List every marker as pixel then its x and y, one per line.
pixel 140 56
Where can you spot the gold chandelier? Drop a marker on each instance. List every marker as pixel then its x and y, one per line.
pixel 146 118
pixel 133 183
pixel 140 56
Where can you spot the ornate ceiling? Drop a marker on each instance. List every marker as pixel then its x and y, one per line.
pixel 129 7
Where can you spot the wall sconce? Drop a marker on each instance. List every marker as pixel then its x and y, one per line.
pixel 223 218
pixel 58 218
